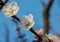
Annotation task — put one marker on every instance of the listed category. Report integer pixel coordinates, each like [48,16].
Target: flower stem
[39,37]
[15,17]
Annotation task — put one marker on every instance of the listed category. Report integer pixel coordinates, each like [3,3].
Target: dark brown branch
[46,18]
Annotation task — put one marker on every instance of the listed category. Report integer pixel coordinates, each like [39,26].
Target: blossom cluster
[26,22]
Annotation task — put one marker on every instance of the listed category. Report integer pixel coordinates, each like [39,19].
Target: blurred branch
[7,33]
[42,3]
[58,1]
[19,35]
[2,3]
[46,18]
[17,29]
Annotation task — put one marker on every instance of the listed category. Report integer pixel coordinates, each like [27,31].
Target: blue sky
[36,8]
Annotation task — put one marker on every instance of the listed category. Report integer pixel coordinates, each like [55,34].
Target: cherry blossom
[27,22]
[10,9]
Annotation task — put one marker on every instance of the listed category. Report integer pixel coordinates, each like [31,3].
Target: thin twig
[15,17]
[39,37]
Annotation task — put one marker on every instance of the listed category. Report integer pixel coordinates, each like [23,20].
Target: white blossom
[27,22]
[10,9]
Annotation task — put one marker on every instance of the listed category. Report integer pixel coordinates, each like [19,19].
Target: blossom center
[27,23]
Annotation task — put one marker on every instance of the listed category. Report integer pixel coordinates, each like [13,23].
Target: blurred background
[9,30]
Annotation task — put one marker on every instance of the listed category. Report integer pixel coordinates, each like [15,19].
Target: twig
[39,37]
[2,3]
[15,17]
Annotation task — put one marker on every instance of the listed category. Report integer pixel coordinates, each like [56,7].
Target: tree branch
[46,18]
